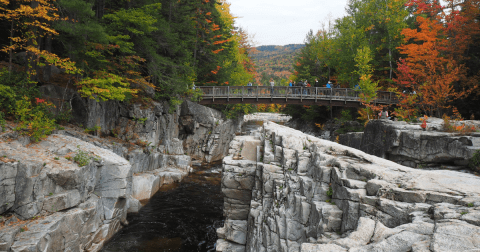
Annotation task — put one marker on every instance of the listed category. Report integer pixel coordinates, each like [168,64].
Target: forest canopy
[427,52]
[114,49]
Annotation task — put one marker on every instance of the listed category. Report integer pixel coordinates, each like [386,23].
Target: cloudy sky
[282,22]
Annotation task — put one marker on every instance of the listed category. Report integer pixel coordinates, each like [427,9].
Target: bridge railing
[343,94]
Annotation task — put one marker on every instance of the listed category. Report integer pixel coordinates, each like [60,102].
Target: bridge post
[286,93]
[243,92]
[228,93]
[390,100]
[301,94]
[346,92]
[331,94]
[316,94]
[257,92]
[213,93]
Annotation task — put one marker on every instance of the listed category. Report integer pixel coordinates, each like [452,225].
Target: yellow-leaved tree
[30,21]
[368,87]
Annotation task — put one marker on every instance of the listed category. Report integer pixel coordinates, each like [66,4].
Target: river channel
[180,217]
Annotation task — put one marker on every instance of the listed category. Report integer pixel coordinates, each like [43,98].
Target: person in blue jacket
[329,85]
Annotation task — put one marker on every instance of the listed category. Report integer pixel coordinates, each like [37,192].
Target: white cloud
[281,22]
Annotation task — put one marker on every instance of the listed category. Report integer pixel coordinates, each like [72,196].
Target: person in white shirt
[272,84]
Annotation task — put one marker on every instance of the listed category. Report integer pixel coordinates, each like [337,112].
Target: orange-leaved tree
[432,69]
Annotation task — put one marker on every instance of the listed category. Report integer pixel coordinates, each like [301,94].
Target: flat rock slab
[455,236]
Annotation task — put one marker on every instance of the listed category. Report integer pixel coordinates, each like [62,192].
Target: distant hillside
[275,61]
[276,48]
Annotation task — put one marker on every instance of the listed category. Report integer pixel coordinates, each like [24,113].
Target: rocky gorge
[288,191]
[48,202]
[284,190]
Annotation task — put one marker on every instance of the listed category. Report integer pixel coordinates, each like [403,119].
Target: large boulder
[410,145]
[88,203]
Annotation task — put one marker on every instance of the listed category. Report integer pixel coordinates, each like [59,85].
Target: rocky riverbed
[288,191]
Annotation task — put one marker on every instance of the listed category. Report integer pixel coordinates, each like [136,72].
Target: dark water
[180,217]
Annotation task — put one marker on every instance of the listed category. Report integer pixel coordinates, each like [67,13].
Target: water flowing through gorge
[180,217]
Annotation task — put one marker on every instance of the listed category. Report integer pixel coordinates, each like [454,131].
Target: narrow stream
[180,217]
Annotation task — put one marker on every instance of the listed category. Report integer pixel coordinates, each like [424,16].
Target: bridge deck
[345,97]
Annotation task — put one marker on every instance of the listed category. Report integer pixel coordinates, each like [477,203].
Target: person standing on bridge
[317,84]
[329,85]
[299,89]
[249,87]
[357,90]
[272,84]
[290,85]
[305,85]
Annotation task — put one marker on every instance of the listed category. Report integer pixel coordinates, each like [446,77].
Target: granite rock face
[61,206]
[205,132]
[307,194]
[191,129]
[46,195]
[410,145]
[273,117]
[49,203]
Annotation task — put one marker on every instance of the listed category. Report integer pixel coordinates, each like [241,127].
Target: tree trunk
[32,58]
[48,43]
[390,61]
[10,52]
[100,8]
[195,52]
[170,12]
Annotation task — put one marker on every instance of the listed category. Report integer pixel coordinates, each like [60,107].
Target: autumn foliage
[30,20]
[432,74]
[129,51]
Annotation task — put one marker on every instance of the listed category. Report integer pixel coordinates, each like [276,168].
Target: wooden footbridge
[344,97]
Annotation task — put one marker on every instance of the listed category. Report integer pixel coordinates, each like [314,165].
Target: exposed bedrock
[273,117]
[50,203]
[301,193]
[410,145]
[192,129]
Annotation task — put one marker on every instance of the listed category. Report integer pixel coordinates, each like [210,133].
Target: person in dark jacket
[299,85]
